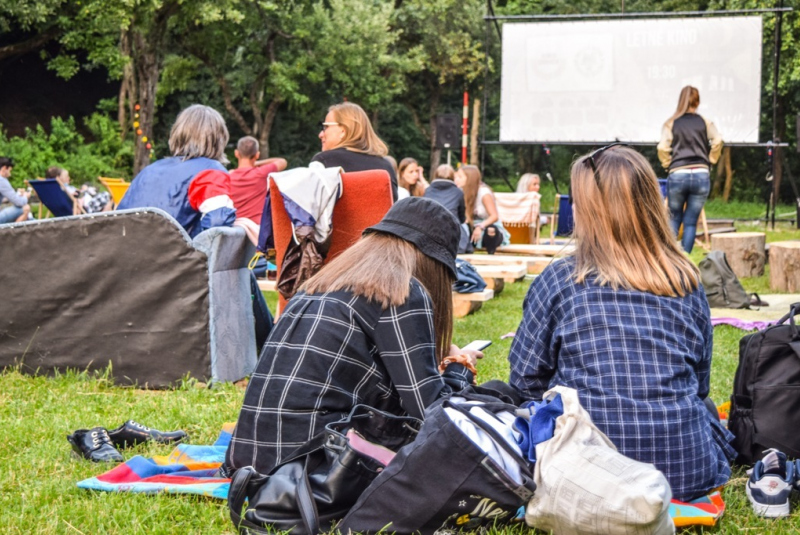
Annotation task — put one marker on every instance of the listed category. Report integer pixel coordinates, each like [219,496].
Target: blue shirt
[641,364]
[165,184]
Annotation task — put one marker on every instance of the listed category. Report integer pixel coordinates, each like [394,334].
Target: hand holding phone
[478,345]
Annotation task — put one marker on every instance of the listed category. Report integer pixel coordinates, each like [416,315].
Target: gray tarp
[124,287]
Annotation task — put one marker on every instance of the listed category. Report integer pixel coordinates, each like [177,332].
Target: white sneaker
[770,485]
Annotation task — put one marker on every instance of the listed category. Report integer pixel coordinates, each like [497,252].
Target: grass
[37,482]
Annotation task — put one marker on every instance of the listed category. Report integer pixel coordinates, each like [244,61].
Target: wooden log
[534,264]
[465,308]
[496,284]
[465,304]
[784,266]
[744,251]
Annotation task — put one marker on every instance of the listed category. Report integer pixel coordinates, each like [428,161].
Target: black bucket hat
[425,223]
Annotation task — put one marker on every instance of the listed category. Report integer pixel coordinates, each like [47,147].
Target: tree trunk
[784,266]
[726,165]
[474,150]
[266,126]
[127,88]
[147,71]
[436,153]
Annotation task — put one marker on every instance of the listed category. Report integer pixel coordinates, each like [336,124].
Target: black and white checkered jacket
[329,352]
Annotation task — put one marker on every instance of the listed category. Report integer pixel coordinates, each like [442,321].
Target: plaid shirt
[329,352]
[641,364]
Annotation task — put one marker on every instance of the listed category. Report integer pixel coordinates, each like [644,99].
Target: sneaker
[770,485]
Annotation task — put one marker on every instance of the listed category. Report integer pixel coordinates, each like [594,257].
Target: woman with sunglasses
[349,142]
[625,322]
[689,145]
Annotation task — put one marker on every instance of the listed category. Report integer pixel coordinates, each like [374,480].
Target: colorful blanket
[192,470]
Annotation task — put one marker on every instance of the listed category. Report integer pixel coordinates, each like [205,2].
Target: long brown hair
[358,133]
[414,189]
[688,99]
[471,186]
[379,267]
[622,230]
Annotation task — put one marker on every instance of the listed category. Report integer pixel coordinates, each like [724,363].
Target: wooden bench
[465,304]
[535,250]
[506,272]
[533,264]
[267,286]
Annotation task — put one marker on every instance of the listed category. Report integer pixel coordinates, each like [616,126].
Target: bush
[107,155]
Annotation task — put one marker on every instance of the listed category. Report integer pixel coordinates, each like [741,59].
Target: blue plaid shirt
[641,364]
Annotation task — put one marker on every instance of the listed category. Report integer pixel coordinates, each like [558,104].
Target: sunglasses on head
[593,165]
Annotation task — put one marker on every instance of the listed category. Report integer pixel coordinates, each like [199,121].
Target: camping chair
[662,184]
[563,221]
[117,190]
[519,213]
[366,197]
[53,196]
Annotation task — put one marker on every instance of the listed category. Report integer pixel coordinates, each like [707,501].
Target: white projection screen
[597,81]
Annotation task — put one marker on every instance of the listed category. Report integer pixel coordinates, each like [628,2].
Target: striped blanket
[192,470]
[518,209]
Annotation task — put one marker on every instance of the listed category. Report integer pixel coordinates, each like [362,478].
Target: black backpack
[722,288]
[765,405]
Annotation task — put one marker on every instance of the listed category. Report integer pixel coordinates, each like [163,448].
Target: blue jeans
[10,214]
[687,191]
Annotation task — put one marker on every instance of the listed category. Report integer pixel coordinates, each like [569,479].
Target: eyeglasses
[593,164]
[324,126]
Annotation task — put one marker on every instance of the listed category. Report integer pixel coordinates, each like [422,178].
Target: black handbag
[765,405]
[456,485]
[318,483]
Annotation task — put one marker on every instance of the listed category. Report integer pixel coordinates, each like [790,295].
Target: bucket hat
[425,223]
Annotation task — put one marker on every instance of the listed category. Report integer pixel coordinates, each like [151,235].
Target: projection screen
[598,81]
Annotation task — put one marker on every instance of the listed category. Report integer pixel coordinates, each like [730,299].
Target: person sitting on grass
[19,209]
[625,322]
[372,327]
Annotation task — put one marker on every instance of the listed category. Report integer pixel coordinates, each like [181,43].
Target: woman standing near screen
[689,145]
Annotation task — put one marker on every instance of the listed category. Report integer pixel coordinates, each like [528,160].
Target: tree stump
[784,266]
[744,251]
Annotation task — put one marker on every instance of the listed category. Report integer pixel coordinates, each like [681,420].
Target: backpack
[765,405]
[723,289]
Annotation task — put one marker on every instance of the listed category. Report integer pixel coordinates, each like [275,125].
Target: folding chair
[563,220]
[366,197]
[519,213]
[53,196]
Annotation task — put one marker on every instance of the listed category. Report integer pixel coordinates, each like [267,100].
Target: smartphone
[478,345]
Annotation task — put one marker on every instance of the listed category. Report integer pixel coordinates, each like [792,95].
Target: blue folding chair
[564,221]
[53,197]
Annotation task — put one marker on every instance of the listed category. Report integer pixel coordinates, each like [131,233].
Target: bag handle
[236,496]
[793,309]
[489,430]
[306,502]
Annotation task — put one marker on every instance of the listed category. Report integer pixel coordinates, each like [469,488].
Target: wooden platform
[508,273]
[465,304]
[266,286]
[535,250]
[533,264]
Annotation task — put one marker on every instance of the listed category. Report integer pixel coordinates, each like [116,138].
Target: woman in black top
[689,145]
[349,142]
[372,327]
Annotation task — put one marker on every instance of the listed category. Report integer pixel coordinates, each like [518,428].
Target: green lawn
[37,482]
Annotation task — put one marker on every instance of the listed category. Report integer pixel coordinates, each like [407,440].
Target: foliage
[63,146]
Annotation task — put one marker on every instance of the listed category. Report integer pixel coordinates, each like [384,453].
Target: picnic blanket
[193,470]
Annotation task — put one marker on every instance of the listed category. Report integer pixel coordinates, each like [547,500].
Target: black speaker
[448,131]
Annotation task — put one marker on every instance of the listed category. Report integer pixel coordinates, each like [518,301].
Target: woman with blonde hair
[372,327]
[481,209]
[349,142]
[409,178]
[197,142]
[689,145]
[625,322]
[529,182]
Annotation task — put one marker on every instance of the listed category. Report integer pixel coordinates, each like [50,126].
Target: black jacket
[446,192]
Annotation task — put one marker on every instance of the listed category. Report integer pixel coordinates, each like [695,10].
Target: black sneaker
[132,433]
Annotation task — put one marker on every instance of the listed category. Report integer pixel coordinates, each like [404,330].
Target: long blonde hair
[471,186]
[379,267]
[358,133]
[688,99]
[622,230]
